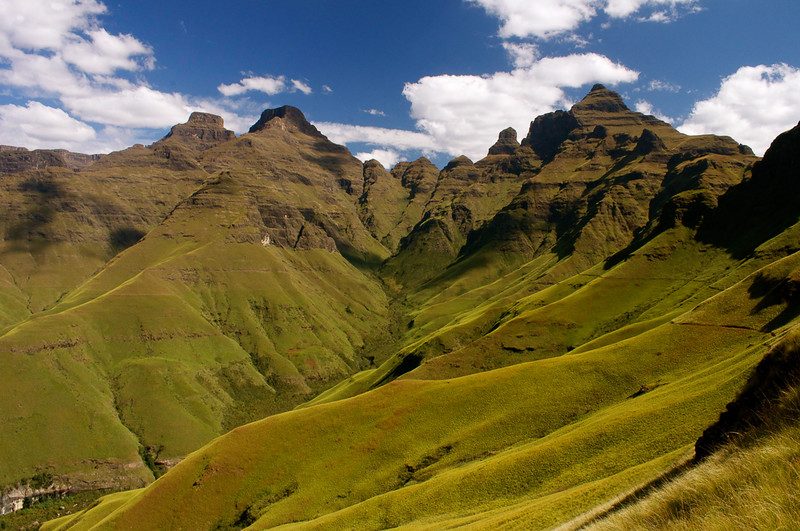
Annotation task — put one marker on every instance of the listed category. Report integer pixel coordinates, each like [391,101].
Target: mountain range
[263,331]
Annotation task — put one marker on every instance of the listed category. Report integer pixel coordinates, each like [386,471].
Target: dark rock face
[202,131]
[16,159]
[765,204]
[506,144]
[548,132]
[290,116]
[649,142]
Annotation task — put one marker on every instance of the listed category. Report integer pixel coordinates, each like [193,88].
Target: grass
[747,488]
[504,372]
[547,439]
[194,330]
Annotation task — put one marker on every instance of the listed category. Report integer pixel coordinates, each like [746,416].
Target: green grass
[547,439]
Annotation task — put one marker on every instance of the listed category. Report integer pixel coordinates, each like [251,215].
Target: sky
[391,79]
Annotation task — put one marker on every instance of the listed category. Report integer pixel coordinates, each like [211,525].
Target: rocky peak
[201,131]
[549,131]
[373,170]
[285,117]
[506,144]
[458,162]
[419,177]
[603,100]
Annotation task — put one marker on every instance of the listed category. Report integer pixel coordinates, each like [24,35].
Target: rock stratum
[505,342]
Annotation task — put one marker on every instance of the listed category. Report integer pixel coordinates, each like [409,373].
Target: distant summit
[286,116]
[602,99]
[506,144]
[202,131]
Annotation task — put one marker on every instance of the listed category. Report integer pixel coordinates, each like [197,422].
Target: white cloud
[57,49]
[522,54]
[45,25]
[270,85]
[539,18]
[626,8]
[753,105]
[657,85]
[645,107]
[327,89]
[302,87]
[377,136]
[133,107]
[374,112]
[267,84]
[463,114]
[545,19]
[105,53]
[387,157]
[39,126]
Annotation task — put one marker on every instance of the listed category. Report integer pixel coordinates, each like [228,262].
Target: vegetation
[507,343]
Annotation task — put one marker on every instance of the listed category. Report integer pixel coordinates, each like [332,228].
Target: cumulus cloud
[753,105]
[545,19]
[38,126]
[522,54]
[132,107]
[542,18]
[59,50]
[463,114]
[645,107]
[46,25]
[387,157]
[104,53]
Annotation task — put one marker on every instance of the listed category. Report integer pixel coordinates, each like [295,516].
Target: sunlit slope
[750,470]
[236,306]
[558,433]
[62,224]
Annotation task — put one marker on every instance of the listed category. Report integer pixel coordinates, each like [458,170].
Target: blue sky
[391,79]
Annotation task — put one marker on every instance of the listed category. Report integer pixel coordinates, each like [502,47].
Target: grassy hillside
[549,438]
[507,343]
[202,325]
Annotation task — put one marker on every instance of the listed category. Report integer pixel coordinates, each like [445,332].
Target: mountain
[505,342]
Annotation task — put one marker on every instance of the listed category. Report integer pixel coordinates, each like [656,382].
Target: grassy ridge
[441,450]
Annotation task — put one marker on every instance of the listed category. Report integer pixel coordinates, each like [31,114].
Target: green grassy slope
[557,434]
[556,324]
[202,325]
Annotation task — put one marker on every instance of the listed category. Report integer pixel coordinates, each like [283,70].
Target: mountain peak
[203,130]
[286,116]
[506,143]
[601,99]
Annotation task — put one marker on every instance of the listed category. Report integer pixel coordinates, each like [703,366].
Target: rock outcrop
[201,132]
[507,143]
